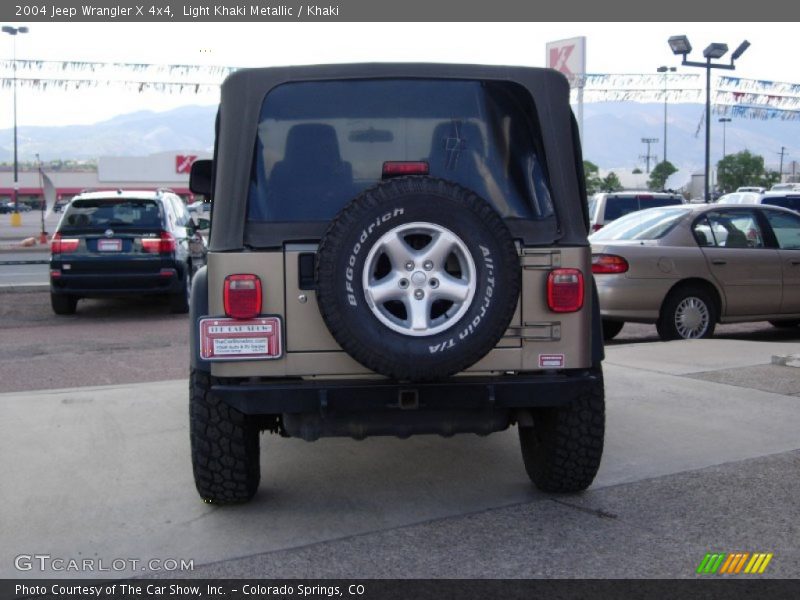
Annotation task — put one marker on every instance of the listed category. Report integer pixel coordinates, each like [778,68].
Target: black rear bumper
[460,393]
[165,281]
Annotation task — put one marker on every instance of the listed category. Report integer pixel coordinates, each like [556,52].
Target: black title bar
[406,10]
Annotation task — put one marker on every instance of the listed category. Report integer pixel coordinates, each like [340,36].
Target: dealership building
[162,170]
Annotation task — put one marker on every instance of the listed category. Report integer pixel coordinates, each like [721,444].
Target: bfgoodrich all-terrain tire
[562,450]
[225,448]
[417,278]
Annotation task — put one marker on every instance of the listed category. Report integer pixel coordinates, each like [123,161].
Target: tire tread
[563,449]
[225,446]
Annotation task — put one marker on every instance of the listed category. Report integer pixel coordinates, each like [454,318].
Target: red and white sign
[183,162]
[236,339]
[569,57]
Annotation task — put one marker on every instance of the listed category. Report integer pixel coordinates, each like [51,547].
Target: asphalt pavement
[690,466]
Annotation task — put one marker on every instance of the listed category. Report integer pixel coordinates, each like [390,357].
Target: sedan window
[733,229]
[786,228]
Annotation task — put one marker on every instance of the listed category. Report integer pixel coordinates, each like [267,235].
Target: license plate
[233,339]
[109,245]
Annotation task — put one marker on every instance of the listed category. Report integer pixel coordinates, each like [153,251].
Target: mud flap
[198,308]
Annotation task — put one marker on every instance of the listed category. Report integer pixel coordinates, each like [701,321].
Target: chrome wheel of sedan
[691,318]
[688,313]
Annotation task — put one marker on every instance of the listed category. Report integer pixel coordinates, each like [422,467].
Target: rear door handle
[795,262]
[719,261]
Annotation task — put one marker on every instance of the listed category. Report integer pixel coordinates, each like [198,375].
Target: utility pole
[665,71]
[780,170]
[648,156]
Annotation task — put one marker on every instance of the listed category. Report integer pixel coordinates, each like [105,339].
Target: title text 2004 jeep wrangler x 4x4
[395,249]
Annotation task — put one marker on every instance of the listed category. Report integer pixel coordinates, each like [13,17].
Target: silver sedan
[687,268]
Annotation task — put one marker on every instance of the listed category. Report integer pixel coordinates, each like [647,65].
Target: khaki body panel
[311,352]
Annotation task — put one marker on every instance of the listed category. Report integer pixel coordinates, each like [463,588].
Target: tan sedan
[687,268]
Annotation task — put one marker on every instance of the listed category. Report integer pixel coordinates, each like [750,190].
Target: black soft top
[240,106]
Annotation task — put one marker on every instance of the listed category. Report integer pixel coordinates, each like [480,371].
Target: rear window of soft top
[321,143]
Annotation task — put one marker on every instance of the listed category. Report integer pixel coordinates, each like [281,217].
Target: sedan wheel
[687,314]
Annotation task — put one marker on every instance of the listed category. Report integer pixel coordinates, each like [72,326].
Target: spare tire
[417,278]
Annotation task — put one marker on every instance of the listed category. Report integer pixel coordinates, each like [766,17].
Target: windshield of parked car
[648,224]
[619,206]
[322,143]
[111,212]
[790,202]
[739,198]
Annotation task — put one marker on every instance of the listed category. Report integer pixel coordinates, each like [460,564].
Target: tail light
[565,290]
[242,296]
[597,227]
[393,168]
[164,244]
[60,245]
[608,263]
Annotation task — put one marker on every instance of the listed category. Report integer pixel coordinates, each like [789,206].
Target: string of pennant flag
[731,96]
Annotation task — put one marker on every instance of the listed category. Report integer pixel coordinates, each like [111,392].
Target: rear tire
[562,450]
[225,446]
[689,312]
[611,329]
[179,303]
[63,304]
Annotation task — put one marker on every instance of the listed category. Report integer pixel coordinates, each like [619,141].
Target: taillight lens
[164,244]
[393,168]
[61,245]
[565,290]
[242,296]
[597,227]
[608,263]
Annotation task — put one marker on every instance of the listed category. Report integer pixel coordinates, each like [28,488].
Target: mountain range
[612,134]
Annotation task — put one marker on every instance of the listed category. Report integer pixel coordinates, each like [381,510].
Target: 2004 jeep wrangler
[395,249]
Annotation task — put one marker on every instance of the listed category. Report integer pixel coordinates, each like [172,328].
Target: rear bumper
[166,281]
[461,393]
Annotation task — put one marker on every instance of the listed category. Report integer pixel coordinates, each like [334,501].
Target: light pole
[16,220]
[680,45]
[665,70]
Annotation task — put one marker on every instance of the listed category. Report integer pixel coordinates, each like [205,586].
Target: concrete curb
[21,289]
[786,360]
[44,249]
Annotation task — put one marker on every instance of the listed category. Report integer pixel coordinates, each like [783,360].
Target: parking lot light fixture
[680,45]
[16,219]
[740,50]
[715,50]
